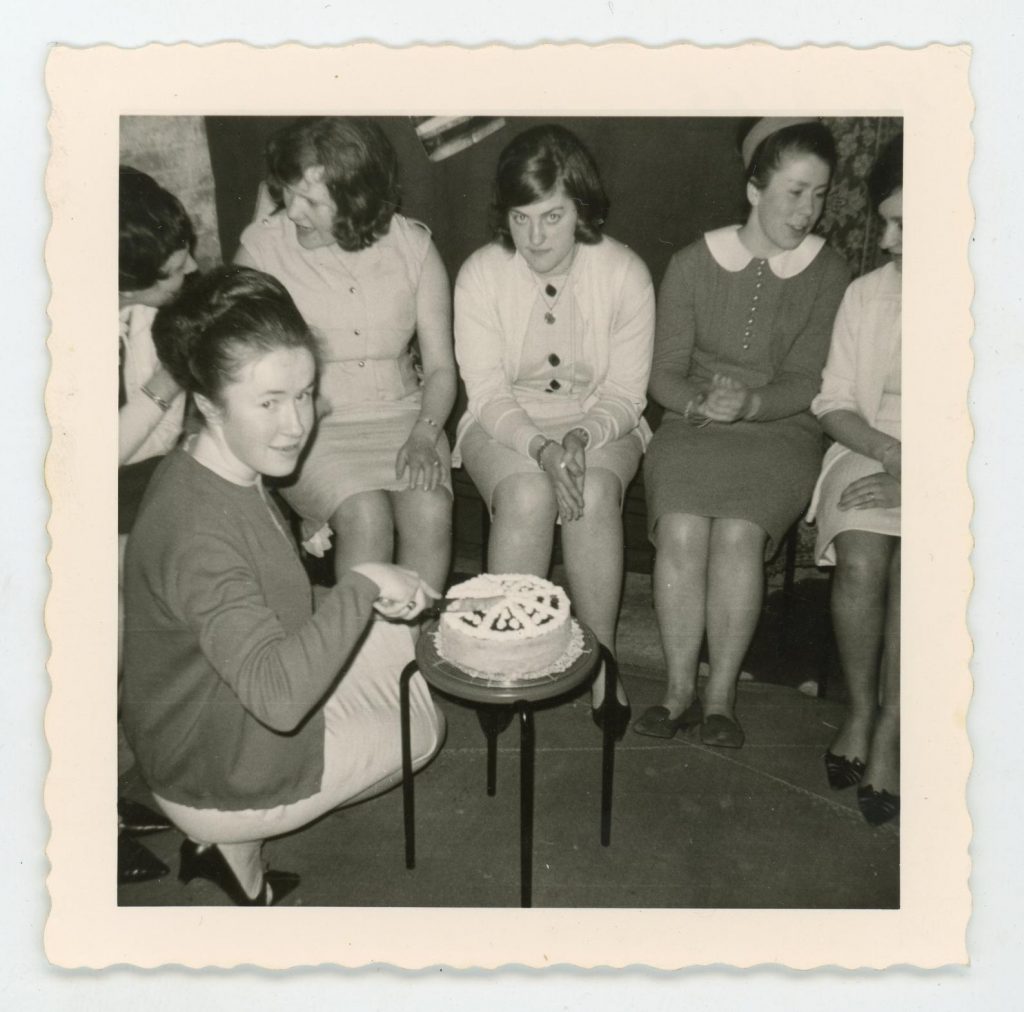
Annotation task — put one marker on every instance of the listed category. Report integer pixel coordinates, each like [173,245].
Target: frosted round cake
[522,634]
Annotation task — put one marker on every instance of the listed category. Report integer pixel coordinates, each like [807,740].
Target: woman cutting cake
[250,713]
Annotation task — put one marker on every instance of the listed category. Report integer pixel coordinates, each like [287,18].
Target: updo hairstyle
[223,320]
[810,137]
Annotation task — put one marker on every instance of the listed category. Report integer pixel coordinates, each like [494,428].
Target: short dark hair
[533,164]
[223,320]
[360,173]
[886,176]
[808,138]
[153,226]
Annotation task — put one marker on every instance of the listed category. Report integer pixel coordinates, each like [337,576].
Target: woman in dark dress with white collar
[744,319]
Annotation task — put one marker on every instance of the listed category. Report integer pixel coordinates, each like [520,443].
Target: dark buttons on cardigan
[352,291]
[554,385]
[554,359]
[356,332]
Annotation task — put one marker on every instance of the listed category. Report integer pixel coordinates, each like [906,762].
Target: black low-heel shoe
[138,820]
[210,864]
[878,807]
[842,771]
[621,715]
[135,863]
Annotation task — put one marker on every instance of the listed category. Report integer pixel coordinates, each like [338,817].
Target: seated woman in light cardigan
[857,503]
[554,332]
[250,713]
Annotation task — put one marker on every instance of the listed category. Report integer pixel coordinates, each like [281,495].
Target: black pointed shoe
[138,820]
[878,807]
[209,863]
[135,863]
[842,771]
[620,718]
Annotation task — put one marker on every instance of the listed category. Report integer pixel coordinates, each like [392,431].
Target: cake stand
[497,701]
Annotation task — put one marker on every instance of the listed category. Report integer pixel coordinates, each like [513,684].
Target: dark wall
[669,179]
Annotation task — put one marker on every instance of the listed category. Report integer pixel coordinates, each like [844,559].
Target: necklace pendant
[549,316]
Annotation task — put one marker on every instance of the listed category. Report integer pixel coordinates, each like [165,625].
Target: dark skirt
[763,472]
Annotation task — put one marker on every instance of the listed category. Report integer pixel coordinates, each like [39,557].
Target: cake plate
[497,700]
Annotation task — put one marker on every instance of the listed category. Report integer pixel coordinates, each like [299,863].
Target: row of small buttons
[748,333]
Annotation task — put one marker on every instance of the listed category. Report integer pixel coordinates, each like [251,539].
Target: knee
[428,515]
[861,570]
[367,515]
[602,494]
[525,499]
[739,537]
[680,536]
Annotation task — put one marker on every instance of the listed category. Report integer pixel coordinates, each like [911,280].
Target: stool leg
[611,676]
[493,720]
[408,801]
[526,805]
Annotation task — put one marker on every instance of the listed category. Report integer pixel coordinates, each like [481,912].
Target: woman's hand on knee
[403,595]
[876,491]
[420,458]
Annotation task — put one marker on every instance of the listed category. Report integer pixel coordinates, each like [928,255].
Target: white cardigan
[494,296]
[866,336]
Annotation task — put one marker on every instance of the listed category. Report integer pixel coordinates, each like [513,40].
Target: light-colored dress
[766,323]
[144,429]
[526,376]
[863,374]
[362,308]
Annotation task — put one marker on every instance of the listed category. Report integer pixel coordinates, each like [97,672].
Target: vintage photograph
[509,551]
[571,442]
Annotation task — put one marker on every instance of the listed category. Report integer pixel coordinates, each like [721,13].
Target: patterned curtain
[173,150]
[849,223]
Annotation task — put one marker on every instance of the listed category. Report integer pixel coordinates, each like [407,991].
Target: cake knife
[463,604]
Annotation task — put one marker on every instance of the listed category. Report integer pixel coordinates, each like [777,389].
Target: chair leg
[611,670]
[526,748]
[408,800]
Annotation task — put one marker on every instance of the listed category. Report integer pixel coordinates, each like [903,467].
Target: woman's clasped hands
[565,464]
[727,400]
[403,594]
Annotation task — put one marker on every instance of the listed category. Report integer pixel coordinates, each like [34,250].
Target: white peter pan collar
[731,255]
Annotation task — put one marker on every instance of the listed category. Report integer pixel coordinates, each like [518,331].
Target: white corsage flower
[319,543]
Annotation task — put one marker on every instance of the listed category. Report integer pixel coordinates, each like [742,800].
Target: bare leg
[522,525]
[363,531]
[680,601]
[592,547]
[735,592]
[883,772]
[424,525]
[858,617]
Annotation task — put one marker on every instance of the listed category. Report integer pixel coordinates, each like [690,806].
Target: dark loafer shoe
[655,721]
[720,731]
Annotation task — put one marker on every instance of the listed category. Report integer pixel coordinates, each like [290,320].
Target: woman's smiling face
[265,414]
[308,203]
[786,210]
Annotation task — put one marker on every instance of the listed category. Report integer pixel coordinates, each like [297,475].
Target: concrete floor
[692,826]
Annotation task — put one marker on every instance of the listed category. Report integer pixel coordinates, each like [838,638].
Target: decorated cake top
[530,606]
